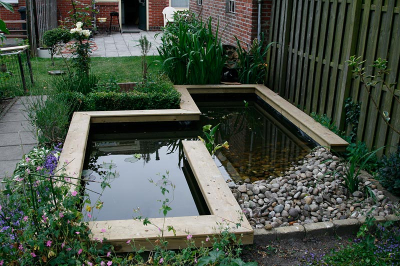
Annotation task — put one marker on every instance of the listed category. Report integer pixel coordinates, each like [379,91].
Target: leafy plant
[191,53]
[53,38]
[359,150]
[389,172]
[210,138]
[378,80]
[352,168]
[252,67]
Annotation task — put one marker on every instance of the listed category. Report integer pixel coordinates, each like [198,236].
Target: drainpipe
[259,20]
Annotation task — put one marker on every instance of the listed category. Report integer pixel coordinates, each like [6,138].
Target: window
[10,1]
[230,6]
[180,3]
[200,2]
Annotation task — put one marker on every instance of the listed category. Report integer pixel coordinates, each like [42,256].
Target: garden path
[16,137]
[124,44]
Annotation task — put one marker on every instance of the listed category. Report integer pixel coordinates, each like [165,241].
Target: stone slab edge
[336,227]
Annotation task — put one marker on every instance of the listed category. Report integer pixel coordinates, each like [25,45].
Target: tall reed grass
[190,52]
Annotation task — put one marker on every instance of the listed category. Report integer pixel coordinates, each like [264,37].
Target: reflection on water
[260,145]
[137,161]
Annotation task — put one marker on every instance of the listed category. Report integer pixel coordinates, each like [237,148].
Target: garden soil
[293,251]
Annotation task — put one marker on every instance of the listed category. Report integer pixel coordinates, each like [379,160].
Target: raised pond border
[222,205]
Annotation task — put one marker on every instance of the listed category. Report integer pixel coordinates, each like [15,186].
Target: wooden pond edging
[223,207]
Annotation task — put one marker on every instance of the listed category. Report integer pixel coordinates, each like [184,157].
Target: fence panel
[308,66]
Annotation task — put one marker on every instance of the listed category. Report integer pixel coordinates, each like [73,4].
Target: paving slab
[15,116]
[13,127]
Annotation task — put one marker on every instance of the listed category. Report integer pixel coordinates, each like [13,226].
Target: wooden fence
[308,65]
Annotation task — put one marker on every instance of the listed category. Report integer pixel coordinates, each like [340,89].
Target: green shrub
[109,101]
[53,38]
[359,150]
[389,173]
[190,52]
[50,116]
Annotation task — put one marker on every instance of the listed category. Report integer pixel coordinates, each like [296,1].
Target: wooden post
[36,26]
[28,60]
[29,26]
[21,69]
[350,49]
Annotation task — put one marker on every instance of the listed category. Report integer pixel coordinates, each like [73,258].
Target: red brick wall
[242,23]
[8,15]
[156,20]
[104,9]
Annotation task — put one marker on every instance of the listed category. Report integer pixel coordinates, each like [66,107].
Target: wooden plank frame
[223,207]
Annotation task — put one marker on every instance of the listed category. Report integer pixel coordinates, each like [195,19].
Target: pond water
[127,156]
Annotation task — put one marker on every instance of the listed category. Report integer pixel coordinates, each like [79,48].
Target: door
[142,15]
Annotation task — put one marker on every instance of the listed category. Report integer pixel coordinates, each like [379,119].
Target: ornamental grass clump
[191,53]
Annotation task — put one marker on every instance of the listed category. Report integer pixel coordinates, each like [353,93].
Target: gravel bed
[309,192]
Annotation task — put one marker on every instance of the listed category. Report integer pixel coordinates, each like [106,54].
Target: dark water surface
[262,144]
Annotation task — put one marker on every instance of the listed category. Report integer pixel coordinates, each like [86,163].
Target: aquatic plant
[210,134]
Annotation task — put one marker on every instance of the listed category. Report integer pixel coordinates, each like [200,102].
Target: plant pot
[127,86]
[43,52]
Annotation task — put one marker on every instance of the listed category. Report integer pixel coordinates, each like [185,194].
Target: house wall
[242,23]
[155,18]
[8,15]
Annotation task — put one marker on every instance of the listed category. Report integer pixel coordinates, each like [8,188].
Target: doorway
[133,15]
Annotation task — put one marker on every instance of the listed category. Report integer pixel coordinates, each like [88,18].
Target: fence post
[285,47]
[349,50]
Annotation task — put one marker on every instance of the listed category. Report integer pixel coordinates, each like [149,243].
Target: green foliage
[377,80]
[53,38]
[359,150]
[190,52]
[76,83]
[251,67]
[376,245]
[210,134]
[50,117]
[39,219]
[352,110]
[145,97]
[145,46]
[3,26]
[389,172]
[327,122]
[352,168]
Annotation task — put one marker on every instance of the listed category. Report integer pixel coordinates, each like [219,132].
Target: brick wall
[242,23]
[8,15]
[104,9]
[156,20]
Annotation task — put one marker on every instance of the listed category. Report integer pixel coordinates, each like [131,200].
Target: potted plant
[51,40]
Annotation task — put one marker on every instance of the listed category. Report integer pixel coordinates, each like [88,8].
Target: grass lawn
[122,69]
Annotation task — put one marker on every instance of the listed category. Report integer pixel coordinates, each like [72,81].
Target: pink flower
[77,233]
[108,254]
[189,237]
[63,245]
[103,230]
[67,179]
[207,239]
[89,263]
[89,215]
[25,218]
[102,263]
[20,247]
[69,249]
[61,215]
[161,260]
[74,193]
[109,263]
[44,218]
[48,243]
[28,171]
[27,159]
[79,251]
[33,255]
[1,262]
[39,168]
[129,241]
[0,207]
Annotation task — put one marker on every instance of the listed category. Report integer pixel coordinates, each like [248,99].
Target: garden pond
[133,157]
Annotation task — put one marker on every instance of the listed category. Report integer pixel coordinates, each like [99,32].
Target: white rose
[86,33]
[72,31]
[79,25]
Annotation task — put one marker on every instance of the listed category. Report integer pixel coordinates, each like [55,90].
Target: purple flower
[161,260]
[48,243]
[79,251]
[189,237]
[74,193]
